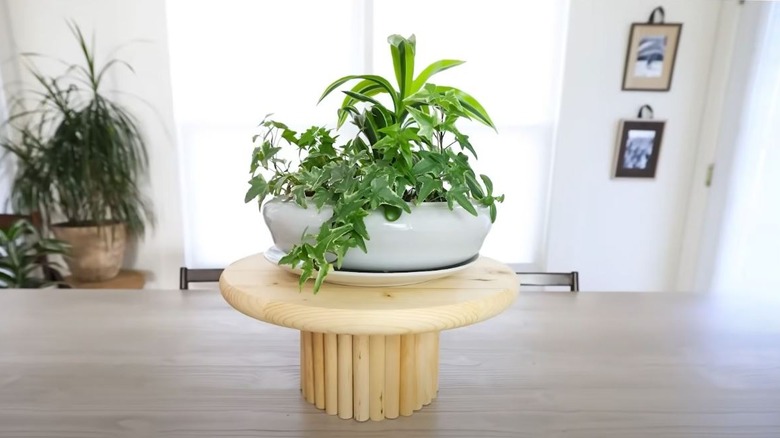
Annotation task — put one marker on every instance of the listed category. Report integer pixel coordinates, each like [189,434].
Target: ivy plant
[407,150]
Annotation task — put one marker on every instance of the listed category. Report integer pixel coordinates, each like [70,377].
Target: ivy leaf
[289,135]
[258,189]
[488,184]
[427,186]
[362,234]
[382,194]
[458,195]
[425,123]
[473,184]
[321,274]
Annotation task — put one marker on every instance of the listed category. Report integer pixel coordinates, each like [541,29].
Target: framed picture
[652,50]
[639,144]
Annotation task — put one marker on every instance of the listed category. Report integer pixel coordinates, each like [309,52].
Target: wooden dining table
[148,363]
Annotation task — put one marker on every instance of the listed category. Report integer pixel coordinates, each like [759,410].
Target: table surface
[260,289]
[78,363]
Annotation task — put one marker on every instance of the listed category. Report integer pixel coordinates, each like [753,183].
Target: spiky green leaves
[23,254]
[81,154]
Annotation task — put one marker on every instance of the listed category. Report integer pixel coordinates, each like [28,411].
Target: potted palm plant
[79,157]
[398,195]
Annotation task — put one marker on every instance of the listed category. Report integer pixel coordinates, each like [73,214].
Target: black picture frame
[651,56]
[638,148]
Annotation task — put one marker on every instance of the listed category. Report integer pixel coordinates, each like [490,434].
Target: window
[235,61]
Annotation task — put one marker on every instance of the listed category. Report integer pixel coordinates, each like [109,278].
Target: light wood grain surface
[256,287]
[86,364]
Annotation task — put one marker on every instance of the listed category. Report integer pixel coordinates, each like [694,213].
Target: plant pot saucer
[375,279]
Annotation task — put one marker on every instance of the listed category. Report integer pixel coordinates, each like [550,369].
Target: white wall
[41,27]
[624,234]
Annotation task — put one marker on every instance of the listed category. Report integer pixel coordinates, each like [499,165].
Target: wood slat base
[369,377]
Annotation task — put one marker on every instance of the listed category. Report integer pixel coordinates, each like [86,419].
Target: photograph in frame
[651,55]
[638,148]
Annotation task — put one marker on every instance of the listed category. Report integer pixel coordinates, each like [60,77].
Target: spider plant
[79,153]
[23,256]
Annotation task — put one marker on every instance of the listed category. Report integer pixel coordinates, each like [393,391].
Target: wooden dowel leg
[319,370]
[420,354]
[369,377]
[302,368]
[392,375]
[408,387]
[331,373]
[430,365]
[345,376]
[308,365]
[376,377]
[361,373]
[435,377]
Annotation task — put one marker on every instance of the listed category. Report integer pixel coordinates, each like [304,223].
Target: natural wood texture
[345,376]
[361,377]
[319,370]
[126,279]
[435,377]
[430,364]
[392,375]
[377,377]
[372,369]
[420,367]
[331,374]
[172,364]
[302,367]
[408,384]
[308,367]
[263,291]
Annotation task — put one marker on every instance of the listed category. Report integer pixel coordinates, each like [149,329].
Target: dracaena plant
[80,155]
[407,150]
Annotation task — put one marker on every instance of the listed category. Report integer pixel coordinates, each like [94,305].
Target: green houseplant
[23,256]
[79,158]
[407,151]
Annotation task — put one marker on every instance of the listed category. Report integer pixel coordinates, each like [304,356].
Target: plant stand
[369,353]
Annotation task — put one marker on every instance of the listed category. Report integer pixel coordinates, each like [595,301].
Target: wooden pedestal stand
[369,353]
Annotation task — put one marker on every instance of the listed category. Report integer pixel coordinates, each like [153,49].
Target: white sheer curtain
[7,67]
[747,258]
[235,61]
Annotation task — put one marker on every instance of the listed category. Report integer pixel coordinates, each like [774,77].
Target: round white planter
[431,237]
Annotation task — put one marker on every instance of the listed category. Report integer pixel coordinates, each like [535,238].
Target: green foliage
[79,154]
[406,153]
[23,256]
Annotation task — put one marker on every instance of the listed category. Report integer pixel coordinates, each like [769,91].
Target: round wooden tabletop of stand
[369,353]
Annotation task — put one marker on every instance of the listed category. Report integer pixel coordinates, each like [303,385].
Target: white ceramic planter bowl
[431,237]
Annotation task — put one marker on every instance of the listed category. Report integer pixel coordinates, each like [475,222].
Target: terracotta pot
[96,252]
[431,237]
